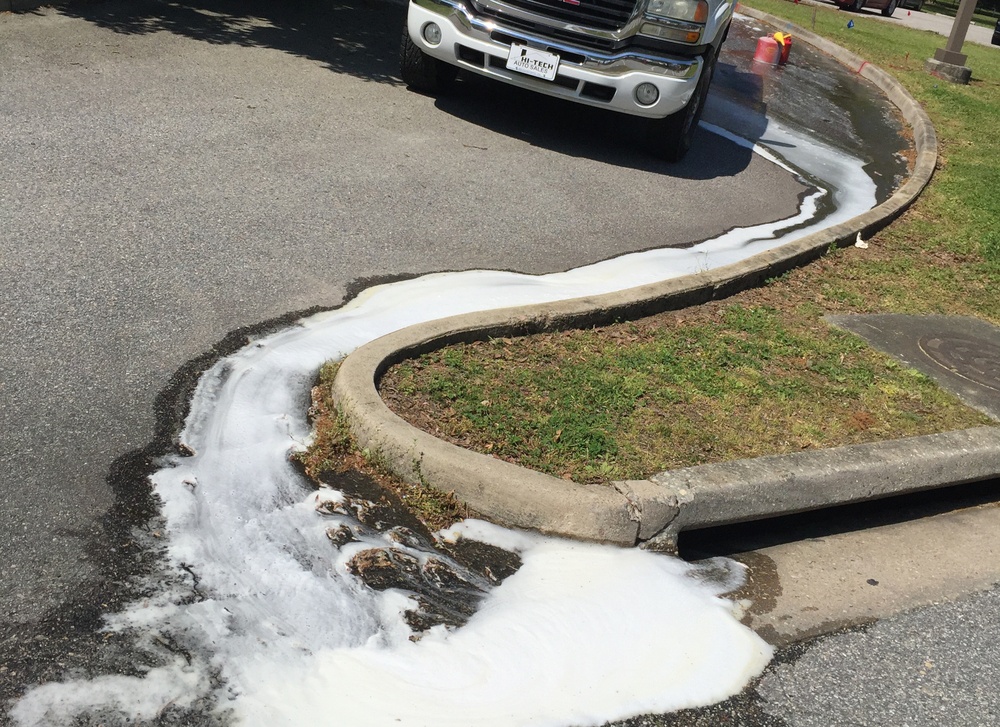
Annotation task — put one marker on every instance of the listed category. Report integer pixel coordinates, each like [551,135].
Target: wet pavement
[812,92]
[178,176]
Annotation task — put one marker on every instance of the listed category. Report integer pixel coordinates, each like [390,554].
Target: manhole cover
[971,358]
[959,352]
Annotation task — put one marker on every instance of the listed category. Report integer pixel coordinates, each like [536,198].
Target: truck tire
[889,9]
[422,72]
[670,138]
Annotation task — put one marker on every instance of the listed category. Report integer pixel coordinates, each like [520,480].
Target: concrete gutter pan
[653,511]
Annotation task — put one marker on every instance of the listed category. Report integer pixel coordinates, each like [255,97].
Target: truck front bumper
[481,45]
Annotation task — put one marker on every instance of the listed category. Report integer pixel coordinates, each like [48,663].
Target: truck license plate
[537,63]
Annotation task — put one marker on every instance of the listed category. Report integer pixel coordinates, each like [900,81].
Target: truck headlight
[682,20]
[684,32]
[432,33]
[646,94]
[692,11]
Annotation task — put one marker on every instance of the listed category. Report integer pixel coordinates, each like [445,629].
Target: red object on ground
[768,51]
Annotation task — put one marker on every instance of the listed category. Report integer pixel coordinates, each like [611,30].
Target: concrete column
[949,62]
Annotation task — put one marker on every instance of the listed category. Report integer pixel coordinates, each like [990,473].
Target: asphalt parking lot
[177,177]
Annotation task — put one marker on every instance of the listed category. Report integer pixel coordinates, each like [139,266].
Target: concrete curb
[751,489]
[655,510]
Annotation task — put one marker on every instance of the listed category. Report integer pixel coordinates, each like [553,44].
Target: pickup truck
[648,58]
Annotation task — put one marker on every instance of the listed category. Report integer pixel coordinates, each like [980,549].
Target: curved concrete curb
[630,512]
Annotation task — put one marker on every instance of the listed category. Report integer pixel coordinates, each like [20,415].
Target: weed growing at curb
[334,450]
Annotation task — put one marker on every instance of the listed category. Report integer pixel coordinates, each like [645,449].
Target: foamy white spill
[581,634]
[142,698]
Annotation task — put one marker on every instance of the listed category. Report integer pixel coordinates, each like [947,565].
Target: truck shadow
[608,137]
[598,134]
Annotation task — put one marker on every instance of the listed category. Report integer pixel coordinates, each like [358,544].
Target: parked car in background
[912,4]
[996,34]
[887,7]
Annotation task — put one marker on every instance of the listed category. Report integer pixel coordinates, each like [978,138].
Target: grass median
[761,372]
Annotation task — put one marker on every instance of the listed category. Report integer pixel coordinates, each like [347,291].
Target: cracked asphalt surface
[177,177]
[169,177]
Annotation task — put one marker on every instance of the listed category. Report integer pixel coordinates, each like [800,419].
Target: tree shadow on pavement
[355,37]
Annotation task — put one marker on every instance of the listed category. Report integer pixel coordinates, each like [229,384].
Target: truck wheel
[670,138]
[422,72]
[889,9]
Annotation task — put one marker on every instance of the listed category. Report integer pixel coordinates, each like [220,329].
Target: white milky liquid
[581,634]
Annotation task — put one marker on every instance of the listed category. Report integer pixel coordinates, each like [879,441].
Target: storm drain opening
[728,540]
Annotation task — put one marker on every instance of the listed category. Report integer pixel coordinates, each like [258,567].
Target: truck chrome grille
[601,14]
[604,45]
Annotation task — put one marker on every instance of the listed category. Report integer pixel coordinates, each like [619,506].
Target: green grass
[740,380]
[760,373]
